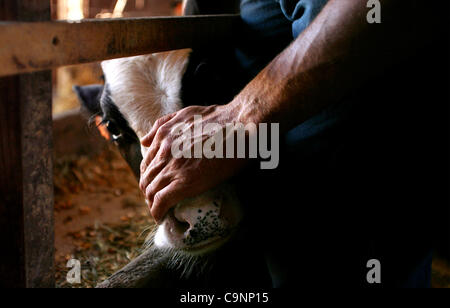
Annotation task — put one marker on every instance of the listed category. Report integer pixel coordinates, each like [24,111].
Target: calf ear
[89,97]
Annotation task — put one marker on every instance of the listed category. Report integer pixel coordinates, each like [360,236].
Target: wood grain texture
[37,166]
[28,47]
[26,183]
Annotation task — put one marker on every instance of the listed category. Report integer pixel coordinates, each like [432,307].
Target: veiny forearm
[336,53]
[339,51]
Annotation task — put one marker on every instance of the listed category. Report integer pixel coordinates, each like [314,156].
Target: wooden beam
[28,47]
[26,182]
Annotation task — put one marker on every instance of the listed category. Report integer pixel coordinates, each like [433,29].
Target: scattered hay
[100,216]
[103,250]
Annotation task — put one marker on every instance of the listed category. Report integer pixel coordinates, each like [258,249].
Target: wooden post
[26,182]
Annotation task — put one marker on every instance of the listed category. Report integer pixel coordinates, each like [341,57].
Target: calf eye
[113,130]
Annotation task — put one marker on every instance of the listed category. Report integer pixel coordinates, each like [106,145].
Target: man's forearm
[337,52]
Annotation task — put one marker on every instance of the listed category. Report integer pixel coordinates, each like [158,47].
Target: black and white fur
[139,90]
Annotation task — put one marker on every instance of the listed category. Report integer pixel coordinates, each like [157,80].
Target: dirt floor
[101,219]
[100,216]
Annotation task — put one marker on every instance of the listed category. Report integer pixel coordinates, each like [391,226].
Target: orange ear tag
[102,128]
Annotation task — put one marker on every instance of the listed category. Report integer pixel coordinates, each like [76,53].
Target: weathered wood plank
[28,47]
[26,182]
[37,166]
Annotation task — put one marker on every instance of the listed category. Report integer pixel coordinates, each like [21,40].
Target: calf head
[138,91]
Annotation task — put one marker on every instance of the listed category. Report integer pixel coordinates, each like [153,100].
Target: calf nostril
[180,224]
[182,227]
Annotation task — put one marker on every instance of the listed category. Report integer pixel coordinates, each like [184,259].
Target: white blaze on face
[144,88]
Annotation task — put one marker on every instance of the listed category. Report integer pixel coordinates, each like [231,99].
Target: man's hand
[338,52]
[166,180]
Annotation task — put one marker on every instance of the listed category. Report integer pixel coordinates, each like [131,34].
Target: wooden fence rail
[29,47]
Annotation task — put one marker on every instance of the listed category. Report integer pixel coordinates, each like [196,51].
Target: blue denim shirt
[362,153]
[301,12]
[368,153]
[269,26]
